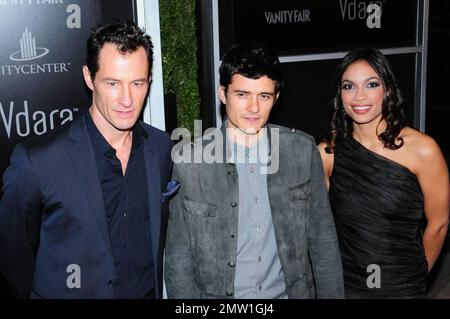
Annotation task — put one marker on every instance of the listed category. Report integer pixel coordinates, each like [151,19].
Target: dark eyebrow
[369,79]
[117,80]
[268,93]
[110,79]
[247,92]
[373,78]
[141,79]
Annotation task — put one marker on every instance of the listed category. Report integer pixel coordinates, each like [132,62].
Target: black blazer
[52,214]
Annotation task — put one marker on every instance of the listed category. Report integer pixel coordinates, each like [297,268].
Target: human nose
[253,106]
[125,97]
[360,94]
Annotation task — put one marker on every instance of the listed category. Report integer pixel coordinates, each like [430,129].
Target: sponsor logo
[370,12]
[34,68]
[287,16]
[28,50]
[22,122]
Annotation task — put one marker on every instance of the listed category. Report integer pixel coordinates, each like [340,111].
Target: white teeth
[361,108]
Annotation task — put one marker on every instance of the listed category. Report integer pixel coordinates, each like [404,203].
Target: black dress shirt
[127,212]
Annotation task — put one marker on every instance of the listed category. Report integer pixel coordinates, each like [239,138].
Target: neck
[237,136]
[367,133]
[116,138]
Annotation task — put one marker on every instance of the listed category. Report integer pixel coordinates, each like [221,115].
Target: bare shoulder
[327,158]
[322,149]
[420,145]
[422,149]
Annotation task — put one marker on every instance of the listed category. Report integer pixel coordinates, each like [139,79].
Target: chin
[251,130]
[362,121]
[125,126]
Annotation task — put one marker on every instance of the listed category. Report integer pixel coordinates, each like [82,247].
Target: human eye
[111,83]
[347,86]
[373,84]
[138,83]
[266,97]
[241,95]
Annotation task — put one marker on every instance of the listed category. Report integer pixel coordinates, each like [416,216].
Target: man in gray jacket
[252,218]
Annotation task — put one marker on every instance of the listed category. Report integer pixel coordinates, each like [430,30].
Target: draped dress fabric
[378,210]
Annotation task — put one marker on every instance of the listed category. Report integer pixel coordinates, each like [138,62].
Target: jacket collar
[226,144]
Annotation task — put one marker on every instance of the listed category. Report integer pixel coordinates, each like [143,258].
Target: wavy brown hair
[340,125]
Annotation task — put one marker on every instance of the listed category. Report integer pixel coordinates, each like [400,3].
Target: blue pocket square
[172,187]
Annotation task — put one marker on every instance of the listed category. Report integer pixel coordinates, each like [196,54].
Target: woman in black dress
[384,180]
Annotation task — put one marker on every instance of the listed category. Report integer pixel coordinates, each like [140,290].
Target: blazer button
[233,204]
[231,264]
[229,294]
[233,235]
[112,284]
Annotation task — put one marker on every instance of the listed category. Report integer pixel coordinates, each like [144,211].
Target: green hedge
[179,57]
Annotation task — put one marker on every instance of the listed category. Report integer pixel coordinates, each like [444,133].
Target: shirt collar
[255,152]
[101,145]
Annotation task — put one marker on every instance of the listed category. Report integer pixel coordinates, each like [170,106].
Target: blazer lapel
[82,156]
[154,195]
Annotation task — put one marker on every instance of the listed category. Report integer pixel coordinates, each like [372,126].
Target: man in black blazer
[83,213]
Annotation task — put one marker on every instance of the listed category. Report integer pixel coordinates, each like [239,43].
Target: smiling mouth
[361,109]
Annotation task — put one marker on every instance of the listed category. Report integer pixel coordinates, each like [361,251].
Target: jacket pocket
[296,226]
[299,199]
[199,209]
[200,218]
[201,222]
[300,191]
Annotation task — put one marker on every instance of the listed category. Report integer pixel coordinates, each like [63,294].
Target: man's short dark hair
[252,60]
[126,35]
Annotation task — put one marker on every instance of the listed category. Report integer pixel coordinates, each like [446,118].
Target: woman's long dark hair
[340,124]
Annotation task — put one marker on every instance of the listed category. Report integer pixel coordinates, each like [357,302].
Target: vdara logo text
[371,12]
[23,123]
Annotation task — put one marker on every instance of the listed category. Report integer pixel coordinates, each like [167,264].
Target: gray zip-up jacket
[202,230]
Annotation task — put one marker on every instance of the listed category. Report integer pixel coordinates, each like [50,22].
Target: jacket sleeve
[20,218]
[323,243]
[179,271]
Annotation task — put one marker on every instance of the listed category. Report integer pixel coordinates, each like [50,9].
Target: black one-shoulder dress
[378,210]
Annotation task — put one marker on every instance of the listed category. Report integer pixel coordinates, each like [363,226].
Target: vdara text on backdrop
[22,122]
